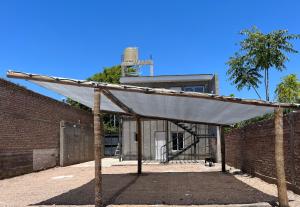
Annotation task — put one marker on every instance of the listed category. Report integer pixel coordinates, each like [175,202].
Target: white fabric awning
[157,103]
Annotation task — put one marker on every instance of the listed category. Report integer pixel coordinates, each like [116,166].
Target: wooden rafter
[145,90]
[116,101]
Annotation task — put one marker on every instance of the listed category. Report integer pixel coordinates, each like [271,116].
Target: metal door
[160,140]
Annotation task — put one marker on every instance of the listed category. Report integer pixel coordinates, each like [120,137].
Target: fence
[252,149]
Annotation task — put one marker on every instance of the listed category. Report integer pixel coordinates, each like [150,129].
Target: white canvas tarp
[157,103]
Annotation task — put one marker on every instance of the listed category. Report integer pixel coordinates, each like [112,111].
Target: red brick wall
[251,149]
[30,121]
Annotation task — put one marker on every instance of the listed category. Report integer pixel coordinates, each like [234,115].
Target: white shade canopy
[157,103]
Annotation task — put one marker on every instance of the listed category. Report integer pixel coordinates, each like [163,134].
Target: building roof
[166,78]
[157,103]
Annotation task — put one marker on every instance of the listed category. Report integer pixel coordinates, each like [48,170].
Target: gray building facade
[165,140]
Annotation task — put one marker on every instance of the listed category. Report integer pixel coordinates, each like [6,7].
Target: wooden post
[167,141]
[223,149]
[139,143]
[279,159]
[98,133]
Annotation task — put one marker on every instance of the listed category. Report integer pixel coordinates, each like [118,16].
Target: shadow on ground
[173,188]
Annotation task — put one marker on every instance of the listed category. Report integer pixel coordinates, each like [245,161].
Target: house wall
[253,153]
[30,128]
[149,130]
[151,127]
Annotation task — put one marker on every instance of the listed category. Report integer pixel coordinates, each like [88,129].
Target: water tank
[131,55]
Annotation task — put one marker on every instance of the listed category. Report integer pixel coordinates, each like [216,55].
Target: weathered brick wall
[30,127]
[252,149]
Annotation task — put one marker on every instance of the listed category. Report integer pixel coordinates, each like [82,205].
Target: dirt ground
[173,184]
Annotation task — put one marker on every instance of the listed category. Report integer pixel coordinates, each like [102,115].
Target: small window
[135,137]
[177,141]
[199,89]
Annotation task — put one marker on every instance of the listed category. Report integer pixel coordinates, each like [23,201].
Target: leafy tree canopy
[258,53]
[288,91]
[109,75]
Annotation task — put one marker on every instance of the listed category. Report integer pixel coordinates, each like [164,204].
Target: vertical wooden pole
[279,159]
[139,143]
[98,133]
[167,141]
[223,149]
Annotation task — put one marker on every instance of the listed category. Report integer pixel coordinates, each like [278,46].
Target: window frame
[177,138]
[194,88]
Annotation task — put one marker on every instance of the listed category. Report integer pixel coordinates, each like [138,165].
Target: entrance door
[160,140]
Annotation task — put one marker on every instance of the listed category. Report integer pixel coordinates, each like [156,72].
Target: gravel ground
[173,184]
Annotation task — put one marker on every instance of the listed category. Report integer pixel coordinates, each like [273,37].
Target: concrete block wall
[76,143]
[252,149]
[30,128]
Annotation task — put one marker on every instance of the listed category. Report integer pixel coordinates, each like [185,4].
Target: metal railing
[193,139]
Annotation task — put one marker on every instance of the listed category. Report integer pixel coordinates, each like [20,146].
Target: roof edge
[158,91]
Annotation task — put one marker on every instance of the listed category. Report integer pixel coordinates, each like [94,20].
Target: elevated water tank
[131,55]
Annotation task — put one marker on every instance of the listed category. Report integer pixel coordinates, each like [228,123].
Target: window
[177,141]
[199,89]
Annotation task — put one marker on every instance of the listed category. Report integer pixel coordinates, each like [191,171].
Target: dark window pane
[174,141]
[180,141]
[199,89]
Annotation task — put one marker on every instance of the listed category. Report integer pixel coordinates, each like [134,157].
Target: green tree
[108,75]
[242,75]
[259,53]
[288,91]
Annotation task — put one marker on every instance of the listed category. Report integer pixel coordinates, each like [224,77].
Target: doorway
[160,141]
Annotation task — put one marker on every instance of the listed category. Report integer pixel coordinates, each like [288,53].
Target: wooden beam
[279,159]
[157,91]
[116,101]
[223,150]
[167,141]
[98,134]
[139,143]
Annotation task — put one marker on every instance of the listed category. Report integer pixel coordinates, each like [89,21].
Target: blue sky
[76,39]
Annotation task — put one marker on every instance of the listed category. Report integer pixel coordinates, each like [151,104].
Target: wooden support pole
[223,149]
[167,141]
[98,134]
[279,159]
[139,143]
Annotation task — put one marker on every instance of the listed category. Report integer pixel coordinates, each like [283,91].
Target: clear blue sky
[76,39]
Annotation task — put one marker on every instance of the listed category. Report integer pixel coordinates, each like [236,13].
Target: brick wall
[29,128]
[252,148]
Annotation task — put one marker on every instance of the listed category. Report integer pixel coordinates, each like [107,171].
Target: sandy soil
[173,184]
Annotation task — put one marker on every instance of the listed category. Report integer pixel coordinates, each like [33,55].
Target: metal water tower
[130,59]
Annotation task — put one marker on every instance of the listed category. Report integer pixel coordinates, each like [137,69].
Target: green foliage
[77,105]
[232,95]
[108,75]
[258,53]
[242,75]
[288,91]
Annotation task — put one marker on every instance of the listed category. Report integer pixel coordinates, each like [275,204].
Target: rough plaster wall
[76,143]
[44,158]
